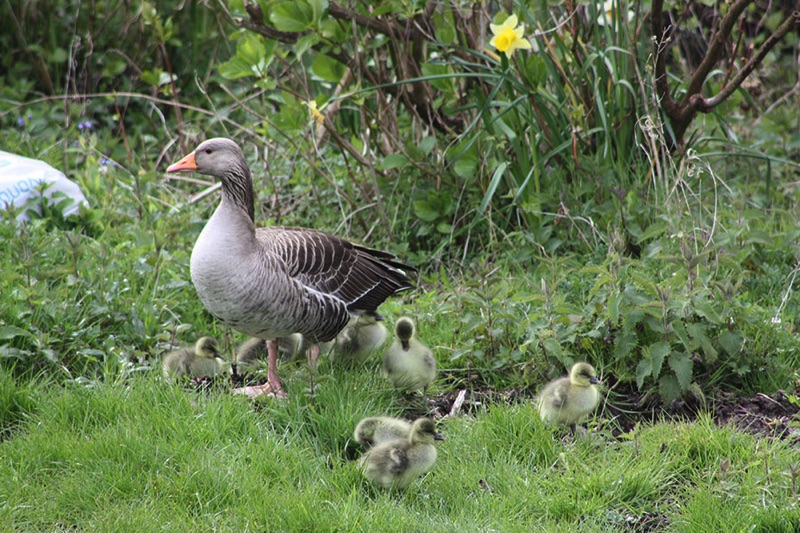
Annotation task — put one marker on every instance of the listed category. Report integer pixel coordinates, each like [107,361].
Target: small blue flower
[105,162]
[86,125]
[21,122]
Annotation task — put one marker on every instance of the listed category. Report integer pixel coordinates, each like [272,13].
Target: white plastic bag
[20,180]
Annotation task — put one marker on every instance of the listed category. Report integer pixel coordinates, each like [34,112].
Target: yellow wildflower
[508,37]
[315,113]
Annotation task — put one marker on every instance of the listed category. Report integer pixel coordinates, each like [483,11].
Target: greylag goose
[275,281]
[361,337]
[398,462]
[408,364]
[199,361]
[568,400]
[377,429]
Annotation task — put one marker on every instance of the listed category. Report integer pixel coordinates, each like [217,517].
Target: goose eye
[207,150]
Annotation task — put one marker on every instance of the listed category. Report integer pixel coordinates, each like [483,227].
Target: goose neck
[237,188]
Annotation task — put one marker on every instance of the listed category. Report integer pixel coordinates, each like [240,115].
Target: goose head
[207,348]
[216,157]
[583,375]
[368,318]
[223,159]
[423,431]
[404,329]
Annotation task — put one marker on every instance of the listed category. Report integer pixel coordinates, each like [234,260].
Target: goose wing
[359,277]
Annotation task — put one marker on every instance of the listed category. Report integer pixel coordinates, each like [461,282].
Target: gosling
[408,364]
[201,361]
[396,463]
[255,349]
[568,400]
[375,430]
[362,337]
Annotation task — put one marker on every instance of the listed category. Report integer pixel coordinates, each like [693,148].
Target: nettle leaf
[656,353]
[707,310]
[698,333]
[643,369]
[681,364]
[292,16]
[669,388]
[731,342]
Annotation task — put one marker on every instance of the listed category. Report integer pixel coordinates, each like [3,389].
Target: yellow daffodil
[315,113]
[609,13]
[508,37]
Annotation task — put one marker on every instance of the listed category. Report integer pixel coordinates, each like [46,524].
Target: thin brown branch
[716,49]
[792,22]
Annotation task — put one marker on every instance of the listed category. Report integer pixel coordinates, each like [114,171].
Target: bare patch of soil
[761,414]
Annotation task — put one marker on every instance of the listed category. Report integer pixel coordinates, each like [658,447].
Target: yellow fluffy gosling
[255,349]
[408,364]
[568,400]
[200,361]
[375,430]
[396,463]
[361,337]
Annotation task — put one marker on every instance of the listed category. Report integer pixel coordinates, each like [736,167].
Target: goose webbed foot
[273,385]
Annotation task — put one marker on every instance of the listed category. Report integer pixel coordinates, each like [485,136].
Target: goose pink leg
[313,355]
[273,386]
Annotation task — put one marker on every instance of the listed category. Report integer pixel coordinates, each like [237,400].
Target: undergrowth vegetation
[619,193]
[544,195]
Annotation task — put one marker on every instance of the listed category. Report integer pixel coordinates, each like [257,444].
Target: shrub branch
[682,113]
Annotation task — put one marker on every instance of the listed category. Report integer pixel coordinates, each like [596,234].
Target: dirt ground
[761,414]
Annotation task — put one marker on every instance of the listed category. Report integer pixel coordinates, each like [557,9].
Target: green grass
[151,456]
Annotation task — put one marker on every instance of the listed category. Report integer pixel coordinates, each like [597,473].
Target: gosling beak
[438,436]
[594,381]
[187,164]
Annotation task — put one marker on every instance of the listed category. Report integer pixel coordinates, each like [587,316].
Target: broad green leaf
[305,42]
[393,161]
[235,68]
[328,68]
[9,332]
[465,167]
[292,16]
[251,48]
[427,144]
[681,364]
[424,211]
[318,9]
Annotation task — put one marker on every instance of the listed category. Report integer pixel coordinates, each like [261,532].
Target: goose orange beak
[187,164]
